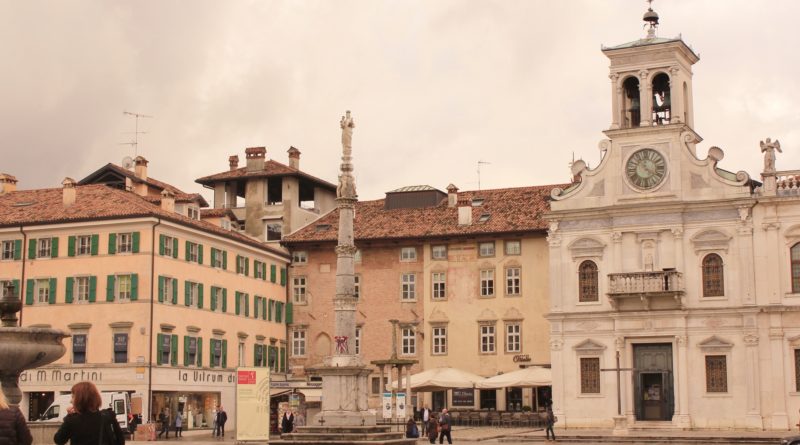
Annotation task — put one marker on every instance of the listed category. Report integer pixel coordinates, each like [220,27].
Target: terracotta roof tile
[180,195]
[218,213]
[271,168]
[510,210]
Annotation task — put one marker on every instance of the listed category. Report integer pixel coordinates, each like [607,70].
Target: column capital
[682,340]
[771,225]
[677,232]
[750,339]
[556,344]
[616,237]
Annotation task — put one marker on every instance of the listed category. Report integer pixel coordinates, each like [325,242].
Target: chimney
[464,213]
[233,162]
[69,191]
[8,183]
[294,158]
[452,195]
[141,168]
[168,201]
[255,158]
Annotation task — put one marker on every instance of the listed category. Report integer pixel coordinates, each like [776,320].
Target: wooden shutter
[52,299]
[246,266]
[161,288]
[161,242]
[173,352]
[263,308]
[283,276]
[110,288]
[54,247]
[187,292]
[246,305]
[224,260]
[200,295]
[174,291]
[92,289]
[211,353]
[213,257]
[95,244]
[185,350]
[71,245]
[289,313]
[68,290]
[174,247]
[135,242]
[224,300]
[269,309]
[29,291]
[17,249]
[256,361]
[238,308]
[186,252]
[159,349]
[32,249]
[272,273]
[199,254]
[134,287]
[283,359]
[224,353]
[112,244]
[213,298]
[199,357]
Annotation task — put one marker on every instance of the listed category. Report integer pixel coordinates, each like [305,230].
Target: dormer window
[477,202]
[193,212]
[484,217]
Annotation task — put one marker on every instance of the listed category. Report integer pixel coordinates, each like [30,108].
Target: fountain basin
[26,348]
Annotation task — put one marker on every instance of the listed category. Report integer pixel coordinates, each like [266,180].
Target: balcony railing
[647,286]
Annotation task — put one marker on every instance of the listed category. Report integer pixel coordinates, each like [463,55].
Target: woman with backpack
[87,424]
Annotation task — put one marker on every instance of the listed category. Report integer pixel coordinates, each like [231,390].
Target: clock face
[646,168]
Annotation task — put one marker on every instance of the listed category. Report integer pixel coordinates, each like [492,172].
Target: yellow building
[158,302]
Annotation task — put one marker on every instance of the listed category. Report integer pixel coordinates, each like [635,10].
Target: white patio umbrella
[438,379]
[529,377]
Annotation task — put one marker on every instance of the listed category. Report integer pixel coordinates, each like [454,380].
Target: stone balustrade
[647,287]
[788,182]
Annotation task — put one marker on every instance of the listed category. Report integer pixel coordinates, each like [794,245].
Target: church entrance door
[654,397]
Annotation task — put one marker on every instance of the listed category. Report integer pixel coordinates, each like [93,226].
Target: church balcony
[633,291]
[788,183]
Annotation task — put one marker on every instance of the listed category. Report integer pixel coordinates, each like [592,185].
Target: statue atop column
[768,148]
[347,184]
[347,125]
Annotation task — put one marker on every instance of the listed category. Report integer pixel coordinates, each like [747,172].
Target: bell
[651,17]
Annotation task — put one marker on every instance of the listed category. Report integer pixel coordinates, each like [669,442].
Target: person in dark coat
[412,432]
[549,421]
[222,417]
[86,422]
[287,422]
[163,419]
[432,428]
[13,428]
[445,425]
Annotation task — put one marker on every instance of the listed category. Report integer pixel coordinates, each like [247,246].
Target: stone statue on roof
[768,148]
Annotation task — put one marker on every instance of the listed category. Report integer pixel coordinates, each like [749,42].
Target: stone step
[342,436]
[335,441]
[344,429]
[655,440]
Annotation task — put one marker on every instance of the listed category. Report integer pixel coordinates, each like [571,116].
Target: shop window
[590,375]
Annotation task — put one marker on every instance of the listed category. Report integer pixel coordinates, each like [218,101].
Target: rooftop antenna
[479,171]
[136,133]
[651,20]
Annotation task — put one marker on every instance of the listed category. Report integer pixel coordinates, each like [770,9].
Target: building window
[408,286]
[716,373]
[439,283]
[218,297]
[242,265]
[219,258]
[193,213]
[217,353]
[124,242]
[169,246]
[487,283]
[357,286]
[8,250]
[513,278]
[192,252]
[408,254]
[590,375]
[587,282]
[486,249]
[82,289]
[124,287]
[300,257]
[513,247]
[259,270]
[795,252]
[190,357]
[513,337]
[83,245]
[241,355]
[192,294]
[487,339]
[78,348]
[165,341]
[358,340]
[242,304]
[299,290]
[713,285]
[299,343]
[274,232]
[439,252]
[44,248]
[121,348]
[409,341]
[797,370]
[43,291]
[439,343]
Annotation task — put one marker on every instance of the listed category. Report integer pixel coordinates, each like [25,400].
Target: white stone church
[689,272]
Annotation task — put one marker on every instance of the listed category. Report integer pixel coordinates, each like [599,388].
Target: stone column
[559,377]
[616,98]
[780,420]
[408,390]
[773,269]
[645,98]
[554,241]
[746,264]
[676,96]
[616,237]
[752,380]
[682,418]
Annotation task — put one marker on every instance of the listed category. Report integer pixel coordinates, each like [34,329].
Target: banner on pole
[387,405]
[252,404]
[401,405]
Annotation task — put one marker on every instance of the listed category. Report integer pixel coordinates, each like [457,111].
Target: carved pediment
[586,247]
[715,344]
[438,317]
[513,314]
[589,347]
[711,240]
[487,315]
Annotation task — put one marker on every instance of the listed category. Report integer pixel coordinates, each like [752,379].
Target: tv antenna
[479,171]
[136,132]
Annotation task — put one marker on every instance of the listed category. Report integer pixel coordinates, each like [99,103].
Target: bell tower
[651,80]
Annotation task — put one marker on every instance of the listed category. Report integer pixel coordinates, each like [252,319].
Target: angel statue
[347,125]
[768,148]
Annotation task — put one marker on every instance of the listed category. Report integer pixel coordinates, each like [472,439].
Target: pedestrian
[549,421]
[215,429]
[445,425]
[86,423]
[222,417]
[163,417]
[287,422]
[13,428]
[426,416]
[178,425]
[412,432]
[433,428]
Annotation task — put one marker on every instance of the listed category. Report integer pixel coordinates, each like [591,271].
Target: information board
[252,404]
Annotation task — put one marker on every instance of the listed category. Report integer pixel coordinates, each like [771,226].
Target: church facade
[675,284]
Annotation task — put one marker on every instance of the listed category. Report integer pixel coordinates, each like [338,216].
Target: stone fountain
[23,348]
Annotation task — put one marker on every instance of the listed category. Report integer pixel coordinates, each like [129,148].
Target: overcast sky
[434,85]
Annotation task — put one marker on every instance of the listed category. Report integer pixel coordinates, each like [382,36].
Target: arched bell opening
[662,103]
[631,108]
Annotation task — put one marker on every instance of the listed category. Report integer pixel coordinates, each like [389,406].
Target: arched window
[662,102]
[713,282]
[587,281]
[631,114]
[795,268]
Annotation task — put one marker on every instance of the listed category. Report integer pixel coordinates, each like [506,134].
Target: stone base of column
[682,421]
[754,421]
[620,426]
[344,418]
[344,393]
[780,421]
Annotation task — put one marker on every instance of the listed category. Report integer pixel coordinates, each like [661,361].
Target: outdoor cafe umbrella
[529,377]
[438,379]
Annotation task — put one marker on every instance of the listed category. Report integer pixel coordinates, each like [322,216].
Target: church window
[587,282]
[661,100]
[796,268]
[716,373]
[590,375]
[713,284]
[631,104]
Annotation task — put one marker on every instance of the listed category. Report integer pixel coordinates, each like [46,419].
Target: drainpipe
[21,289]
[152,322]
[286,328]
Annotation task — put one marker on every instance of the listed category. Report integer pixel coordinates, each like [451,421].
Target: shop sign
[522,358]
[464,397]
[206,377]
[60,376]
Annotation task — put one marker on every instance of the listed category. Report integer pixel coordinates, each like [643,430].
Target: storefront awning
[312,394]
[278,391]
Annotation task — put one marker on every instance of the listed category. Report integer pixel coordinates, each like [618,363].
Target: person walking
[433,427]
[163,418]
[426,416]
[215,429]
[287,422]
[445,425]
[222,417]
[13,428]
[549,421]
[178,425]
[86,424]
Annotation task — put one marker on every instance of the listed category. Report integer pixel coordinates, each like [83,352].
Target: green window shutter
[174,291]
[17,249]
[29,291]
[213,298]
[211,353]
[95,244]
[185,350]
[135,242]
[224,260]
[236,302]
[173,353]
[263,308]
[247,267]
[283,276]
[134,286]
[32,249]
[199,254]
[279,312]
[199,352]
[110,288]
[283,359]
[54,247]
[68,290]
[161,288]
[246,305]
[213,256]
[264,271]
[269,309]
[272,273]
[159,349]
[52,291]
[70,246]
[224,300]
[161,242]
[224,353]
[112,244]
[289,313]
[187,287]
[238,268]
[255,355]
[92,289]
[200,296]
[186,252]
[174,247]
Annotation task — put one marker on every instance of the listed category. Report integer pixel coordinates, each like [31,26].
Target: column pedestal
[620,426]
[344,393]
